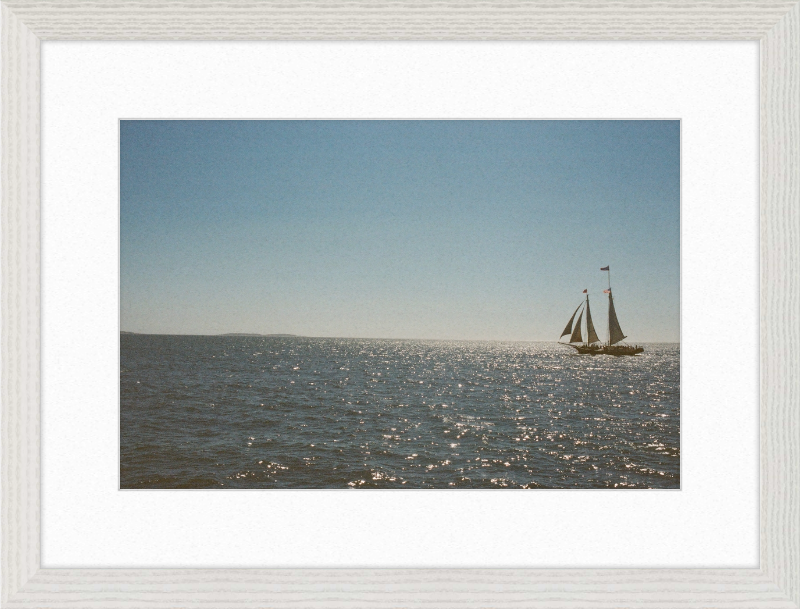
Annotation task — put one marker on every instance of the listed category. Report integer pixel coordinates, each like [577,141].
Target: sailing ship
[592,345]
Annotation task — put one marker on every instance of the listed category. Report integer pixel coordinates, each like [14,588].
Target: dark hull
[615,350]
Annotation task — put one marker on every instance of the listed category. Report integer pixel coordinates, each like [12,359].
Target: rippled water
[267,412]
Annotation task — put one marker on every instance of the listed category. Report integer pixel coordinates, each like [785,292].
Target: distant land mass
[250,334]
[229,334]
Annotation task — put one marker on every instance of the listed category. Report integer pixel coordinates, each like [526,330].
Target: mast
[591,334]
[614,331]
[587,317]
[608,268]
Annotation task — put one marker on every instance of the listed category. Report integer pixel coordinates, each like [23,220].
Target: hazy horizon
[400,338]
[442,230]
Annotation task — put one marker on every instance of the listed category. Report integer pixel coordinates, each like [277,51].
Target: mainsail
[568,329]
[589,325]
[576,333]
[614,331]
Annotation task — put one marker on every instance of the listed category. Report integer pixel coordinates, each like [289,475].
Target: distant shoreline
[226,334]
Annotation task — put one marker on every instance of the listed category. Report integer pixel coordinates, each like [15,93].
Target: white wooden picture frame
[775,24]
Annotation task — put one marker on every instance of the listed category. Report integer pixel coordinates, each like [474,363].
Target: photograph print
[399,304]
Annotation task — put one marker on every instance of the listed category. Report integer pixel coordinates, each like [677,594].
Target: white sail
[614,331]
[592,338]
[576,333]
[568,329]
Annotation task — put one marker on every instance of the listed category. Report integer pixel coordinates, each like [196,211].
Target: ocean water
[285,412]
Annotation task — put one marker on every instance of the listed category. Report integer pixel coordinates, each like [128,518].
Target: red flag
[605,268]
[606,291]
[585,291]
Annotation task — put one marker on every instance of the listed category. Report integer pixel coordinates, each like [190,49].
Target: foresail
[576,333]
[614,331]
[568,329]
[590,326]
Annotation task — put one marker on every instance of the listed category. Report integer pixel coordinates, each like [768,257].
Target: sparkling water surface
[287,412]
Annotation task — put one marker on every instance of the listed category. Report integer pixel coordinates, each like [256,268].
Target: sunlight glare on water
[286,412]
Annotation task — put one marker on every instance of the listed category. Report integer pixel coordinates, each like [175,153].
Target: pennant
[606,291]
[605,268]
[586,291]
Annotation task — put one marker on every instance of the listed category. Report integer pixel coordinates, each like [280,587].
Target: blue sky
[398,229]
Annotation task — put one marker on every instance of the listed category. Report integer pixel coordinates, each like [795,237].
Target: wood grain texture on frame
[399,20]
[776,583]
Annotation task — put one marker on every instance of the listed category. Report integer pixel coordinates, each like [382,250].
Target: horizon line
[285,335]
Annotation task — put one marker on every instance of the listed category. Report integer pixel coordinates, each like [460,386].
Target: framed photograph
[329,262]
[341,231]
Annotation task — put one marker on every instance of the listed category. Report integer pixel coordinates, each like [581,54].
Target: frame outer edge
[20,304]
[20,326]
[780,304]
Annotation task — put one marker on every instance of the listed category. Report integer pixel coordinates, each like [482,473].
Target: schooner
[592,344]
